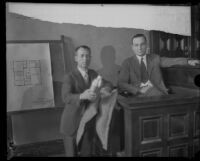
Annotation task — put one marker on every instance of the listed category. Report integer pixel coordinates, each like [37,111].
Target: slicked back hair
[138,35]
[83,47]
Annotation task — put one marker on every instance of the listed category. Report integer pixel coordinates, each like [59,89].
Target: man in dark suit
[77,95]
[140,74]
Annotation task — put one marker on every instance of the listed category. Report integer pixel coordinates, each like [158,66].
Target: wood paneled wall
[173,45]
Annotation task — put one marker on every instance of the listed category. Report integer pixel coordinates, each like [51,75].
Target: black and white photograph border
[140,97]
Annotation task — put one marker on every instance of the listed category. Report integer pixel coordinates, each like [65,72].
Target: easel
[67,49]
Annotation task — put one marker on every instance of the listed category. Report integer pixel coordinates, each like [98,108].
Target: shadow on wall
[110,70]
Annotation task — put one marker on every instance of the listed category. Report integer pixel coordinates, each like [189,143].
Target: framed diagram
[29,76]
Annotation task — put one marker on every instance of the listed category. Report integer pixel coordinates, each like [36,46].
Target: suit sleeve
[123,80]
[168,62]
[68,96]
[108,85]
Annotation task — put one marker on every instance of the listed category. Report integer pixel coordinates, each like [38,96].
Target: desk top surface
[182,96]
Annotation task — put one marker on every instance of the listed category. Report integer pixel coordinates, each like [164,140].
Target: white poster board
[29,76]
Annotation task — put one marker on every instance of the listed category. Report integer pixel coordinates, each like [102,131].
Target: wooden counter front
[164,126]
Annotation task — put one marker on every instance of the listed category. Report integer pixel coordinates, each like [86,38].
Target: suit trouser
[69,145]
[87,142]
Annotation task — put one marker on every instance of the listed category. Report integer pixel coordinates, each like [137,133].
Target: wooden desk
[165,126]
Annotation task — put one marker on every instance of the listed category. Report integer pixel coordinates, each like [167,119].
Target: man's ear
[132,46]
[148,50]
[75,58]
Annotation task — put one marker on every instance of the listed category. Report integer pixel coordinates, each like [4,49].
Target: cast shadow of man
[110,70]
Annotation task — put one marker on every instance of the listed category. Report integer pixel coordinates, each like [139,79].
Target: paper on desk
[148,83]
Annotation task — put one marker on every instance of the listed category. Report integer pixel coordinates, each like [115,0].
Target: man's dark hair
[139,35]
[83,47]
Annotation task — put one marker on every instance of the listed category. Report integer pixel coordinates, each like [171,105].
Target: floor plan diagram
[29,76]
[27,72]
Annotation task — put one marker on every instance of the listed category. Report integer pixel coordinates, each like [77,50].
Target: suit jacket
[73,86]
[130,76]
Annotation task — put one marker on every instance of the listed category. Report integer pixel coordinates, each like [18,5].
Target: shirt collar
[140,57]
[83,72]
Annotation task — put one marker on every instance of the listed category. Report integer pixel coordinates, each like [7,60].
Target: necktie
[86,78]
[144,74]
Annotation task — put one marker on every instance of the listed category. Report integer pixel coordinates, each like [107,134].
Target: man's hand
[148,83]
[144,89]
[193,62]
[105,92]
[88,95]
[145,86]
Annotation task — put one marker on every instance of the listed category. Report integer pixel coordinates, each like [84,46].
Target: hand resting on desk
[150,91]
[194,62]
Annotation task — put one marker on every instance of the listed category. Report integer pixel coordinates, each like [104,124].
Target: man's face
[83,58]
[139,46]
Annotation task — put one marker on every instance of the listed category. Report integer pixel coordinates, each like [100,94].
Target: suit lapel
[136,66]
[81,83]
[149,64]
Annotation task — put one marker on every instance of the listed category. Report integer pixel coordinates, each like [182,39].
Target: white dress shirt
[144,59]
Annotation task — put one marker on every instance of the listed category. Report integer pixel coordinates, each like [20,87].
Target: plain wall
[23,28]
[43,126]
